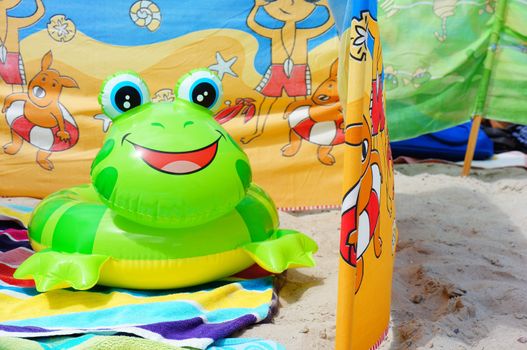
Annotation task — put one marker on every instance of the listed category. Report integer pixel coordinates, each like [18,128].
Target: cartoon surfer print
[289,69]
[11,65]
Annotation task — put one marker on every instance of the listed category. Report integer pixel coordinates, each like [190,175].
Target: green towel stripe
[76,229]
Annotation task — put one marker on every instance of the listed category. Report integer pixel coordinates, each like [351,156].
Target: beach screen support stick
[479,109]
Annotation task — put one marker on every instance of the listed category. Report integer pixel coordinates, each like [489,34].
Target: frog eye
[200,86]
[121,92]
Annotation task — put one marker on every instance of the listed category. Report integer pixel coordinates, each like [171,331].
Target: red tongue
[178,162]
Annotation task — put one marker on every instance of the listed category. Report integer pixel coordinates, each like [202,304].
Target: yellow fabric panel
[291,178]
[368,234]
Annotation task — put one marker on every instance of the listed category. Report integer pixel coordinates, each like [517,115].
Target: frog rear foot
[283,250]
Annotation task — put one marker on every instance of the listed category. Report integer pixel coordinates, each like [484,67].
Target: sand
[460,277]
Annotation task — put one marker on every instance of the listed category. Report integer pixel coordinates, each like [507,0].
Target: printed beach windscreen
[368,234]
[447,60]
[277,61]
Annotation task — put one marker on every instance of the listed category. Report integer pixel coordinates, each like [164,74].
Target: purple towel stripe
[177,330]
[23,329]
[6,244]
[195,328]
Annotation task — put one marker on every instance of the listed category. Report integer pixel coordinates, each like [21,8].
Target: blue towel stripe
[138,314]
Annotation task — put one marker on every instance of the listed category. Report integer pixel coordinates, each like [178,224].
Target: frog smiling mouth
[177,163]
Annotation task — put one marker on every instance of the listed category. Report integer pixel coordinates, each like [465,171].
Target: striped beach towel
[98,342]
[11,212]
[197,317]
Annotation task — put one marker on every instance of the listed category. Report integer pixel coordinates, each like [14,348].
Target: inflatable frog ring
[171,202]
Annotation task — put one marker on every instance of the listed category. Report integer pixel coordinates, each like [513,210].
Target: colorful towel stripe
[196,317]
[14,212]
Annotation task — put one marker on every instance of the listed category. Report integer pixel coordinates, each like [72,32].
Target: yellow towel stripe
[23,217]
[60,302]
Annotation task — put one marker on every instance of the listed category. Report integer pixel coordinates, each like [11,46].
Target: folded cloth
[194,317]
[449,144]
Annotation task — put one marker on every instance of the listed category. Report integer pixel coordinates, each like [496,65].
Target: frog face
[168,164]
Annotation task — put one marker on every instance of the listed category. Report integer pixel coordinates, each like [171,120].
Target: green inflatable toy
[171,202]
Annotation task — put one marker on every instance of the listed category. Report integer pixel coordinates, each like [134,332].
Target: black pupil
[127,97]
[364,149]
[204,94]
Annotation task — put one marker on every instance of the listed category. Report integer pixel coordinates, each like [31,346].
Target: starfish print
[61,28]
[223,67]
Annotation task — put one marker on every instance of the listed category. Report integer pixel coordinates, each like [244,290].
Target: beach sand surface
[460,278]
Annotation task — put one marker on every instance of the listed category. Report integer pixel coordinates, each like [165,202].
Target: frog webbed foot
[283,250]
[54,270]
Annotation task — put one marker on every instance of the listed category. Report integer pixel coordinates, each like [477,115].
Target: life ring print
[145,13]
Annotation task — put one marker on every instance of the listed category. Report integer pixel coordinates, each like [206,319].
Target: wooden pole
[497,27]
[471,147]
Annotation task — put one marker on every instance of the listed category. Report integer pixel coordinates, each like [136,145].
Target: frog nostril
[188,123]
[158,124]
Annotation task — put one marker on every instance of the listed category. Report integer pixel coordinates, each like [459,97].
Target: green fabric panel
[76,229]
[505,99]
[465,58]
[497,27]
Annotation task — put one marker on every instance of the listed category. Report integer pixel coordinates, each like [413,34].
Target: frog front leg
[55,270]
